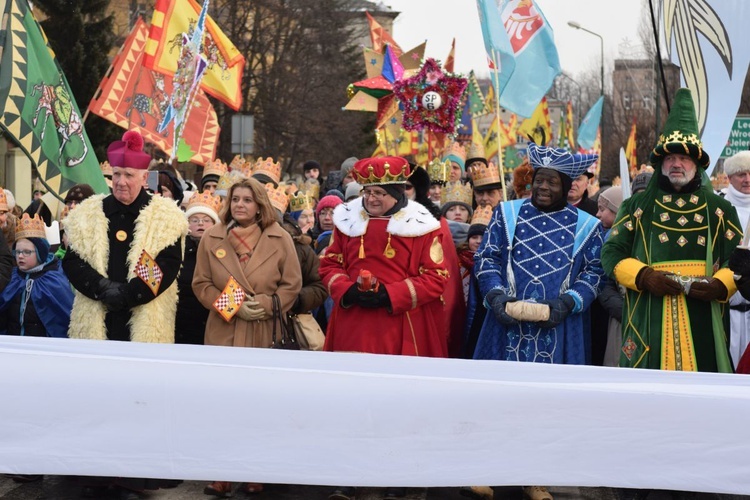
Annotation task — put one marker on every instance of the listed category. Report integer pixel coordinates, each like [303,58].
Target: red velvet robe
[415,278]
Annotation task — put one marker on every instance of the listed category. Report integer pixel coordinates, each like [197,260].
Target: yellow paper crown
[482,175]
[475,151]
[205,199]
[106,168]
[228,179]
[278,196]
[482,215]
[438,170]
[456,191]
[301,201]
[238,163]
[26,227]
[455,148]
[268,167]
[312,188]
[215,167]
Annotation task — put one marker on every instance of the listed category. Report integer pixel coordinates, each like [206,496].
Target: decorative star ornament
[431,78]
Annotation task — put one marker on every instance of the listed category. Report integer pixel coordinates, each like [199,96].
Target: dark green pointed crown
[681,134]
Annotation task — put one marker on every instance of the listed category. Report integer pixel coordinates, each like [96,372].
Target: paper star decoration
[409,92]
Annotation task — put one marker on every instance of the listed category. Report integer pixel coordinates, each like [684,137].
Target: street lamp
[577,26]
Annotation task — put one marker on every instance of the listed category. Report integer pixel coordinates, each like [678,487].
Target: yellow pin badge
[230,299]
[149,272]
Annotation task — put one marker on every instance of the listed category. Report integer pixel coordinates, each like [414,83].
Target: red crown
[382,170]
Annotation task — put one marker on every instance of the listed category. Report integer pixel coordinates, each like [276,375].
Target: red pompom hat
[381,171]
[128,152]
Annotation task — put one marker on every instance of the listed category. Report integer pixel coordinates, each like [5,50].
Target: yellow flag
[538,127]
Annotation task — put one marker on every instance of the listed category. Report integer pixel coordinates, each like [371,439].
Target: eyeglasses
[25,253]
[196,220]
[375,194]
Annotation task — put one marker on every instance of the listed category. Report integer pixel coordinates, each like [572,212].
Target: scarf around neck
[737,198]
[244,240]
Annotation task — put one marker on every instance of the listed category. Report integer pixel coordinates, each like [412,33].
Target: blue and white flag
[708,39]
[590,124]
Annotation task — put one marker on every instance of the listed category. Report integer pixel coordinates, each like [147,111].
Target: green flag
[37,108]
[477,104]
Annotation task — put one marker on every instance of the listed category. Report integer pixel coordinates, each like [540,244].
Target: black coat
[190,322]
[86,279]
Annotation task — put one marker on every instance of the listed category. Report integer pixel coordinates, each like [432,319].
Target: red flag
[380,37]
[134,97]
[450,61]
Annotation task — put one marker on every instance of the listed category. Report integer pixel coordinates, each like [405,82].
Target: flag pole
[496,63]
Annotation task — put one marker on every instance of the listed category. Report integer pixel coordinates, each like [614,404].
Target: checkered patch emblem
[149,272]
[230,299]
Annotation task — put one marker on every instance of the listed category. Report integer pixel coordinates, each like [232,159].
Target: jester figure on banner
[191,66]
[669,247]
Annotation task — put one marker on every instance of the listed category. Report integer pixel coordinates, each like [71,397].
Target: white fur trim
[738,163]
[158,225]
[411,221]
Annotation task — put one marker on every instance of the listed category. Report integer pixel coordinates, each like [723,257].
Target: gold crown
[228,179]
[482,175]
[205,199]
[106,168]
[238,163]
[312,188]
[438,170]
[268,167]
[455,148]
[456,191]
[301,201]
[215,167]
[387,178]
[475,151]
[482,215]
[278,196]
[26,227]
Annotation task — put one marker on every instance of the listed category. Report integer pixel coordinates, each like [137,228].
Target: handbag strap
[275,311]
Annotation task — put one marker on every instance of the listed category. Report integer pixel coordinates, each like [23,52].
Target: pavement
[63,488]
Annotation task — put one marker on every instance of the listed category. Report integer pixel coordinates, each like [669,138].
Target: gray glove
[497,300]
[250,310]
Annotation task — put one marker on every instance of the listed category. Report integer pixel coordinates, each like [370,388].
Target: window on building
[626,101]
[646,102]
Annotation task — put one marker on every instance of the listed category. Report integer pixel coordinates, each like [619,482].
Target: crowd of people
[393,258]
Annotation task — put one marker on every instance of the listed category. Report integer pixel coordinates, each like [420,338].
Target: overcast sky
[438,21]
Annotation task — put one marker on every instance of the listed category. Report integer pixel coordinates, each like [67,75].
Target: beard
[679,179]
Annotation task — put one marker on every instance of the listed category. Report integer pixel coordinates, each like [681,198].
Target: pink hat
[329,201]
[128,152]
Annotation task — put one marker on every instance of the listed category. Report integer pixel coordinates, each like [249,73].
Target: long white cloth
[216,413]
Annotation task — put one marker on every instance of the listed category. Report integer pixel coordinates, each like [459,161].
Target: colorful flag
[172,18]
[477,103]
[37,108]
[490,99]
[630,149]
[134,98]
[149,272]
[562,132]
[230,299]
[450,61]
[589,126]
[380,37]
[538,128]
[465,127]
[569,127]
[496,44]
[512,127]
[536,60]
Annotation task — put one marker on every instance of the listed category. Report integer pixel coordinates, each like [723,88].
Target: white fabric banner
[214,413]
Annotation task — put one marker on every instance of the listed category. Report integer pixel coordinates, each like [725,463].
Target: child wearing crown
[38,300]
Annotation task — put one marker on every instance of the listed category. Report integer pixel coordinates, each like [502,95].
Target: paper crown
[457,150]
[239,163]
[312,188]
[457,192]
[3,201]
[204,199]
[559,159]
[301,201]
[128,153]
[269,168]
[681,133]
[382,170]
[482,215]
[106,168]
[26,227]
[215,167]
[476,153]
[439,171]
[227,180]
[485,175]
[278,196]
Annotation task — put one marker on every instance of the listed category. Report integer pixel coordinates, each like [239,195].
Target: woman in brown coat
[252,247]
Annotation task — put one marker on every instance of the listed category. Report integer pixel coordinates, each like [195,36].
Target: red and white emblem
[522,22]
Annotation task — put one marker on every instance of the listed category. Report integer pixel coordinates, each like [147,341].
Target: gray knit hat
[352,191]
[348,165]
